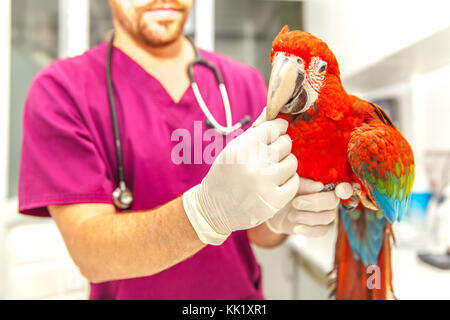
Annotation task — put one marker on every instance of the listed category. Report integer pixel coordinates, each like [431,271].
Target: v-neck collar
[128,65]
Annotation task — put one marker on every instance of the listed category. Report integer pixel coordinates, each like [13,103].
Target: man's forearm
[263,237]
[129,245]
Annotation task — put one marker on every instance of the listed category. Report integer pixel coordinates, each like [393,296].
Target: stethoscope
[122,195]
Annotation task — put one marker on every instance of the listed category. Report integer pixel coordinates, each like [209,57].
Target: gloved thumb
[262,118]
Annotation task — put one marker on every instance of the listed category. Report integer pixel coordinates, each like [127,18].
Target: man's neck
[168,64]
[147,55]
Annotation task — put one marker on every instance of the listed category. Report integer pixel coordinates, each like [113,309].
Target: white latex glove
[252,179]
[312,211]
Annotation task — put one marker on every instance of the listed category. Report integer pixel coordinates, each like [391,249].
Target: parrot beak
[286,93]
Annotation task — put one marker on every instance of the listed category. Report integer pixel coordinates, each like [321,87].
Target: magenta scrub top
[68,157]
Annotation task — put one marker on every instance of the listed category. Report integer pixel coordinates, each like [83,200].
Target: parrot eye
[323,68]
[300,61]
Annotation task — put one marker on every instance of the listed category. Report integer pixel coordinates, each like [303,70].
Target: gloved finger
[316,231]
[316,202]
[281,148]
[312,218]
[344,190]
[275,228]
[285,192]
[262,118]
[270,131]
[257,221]
[308,186]
[285,169]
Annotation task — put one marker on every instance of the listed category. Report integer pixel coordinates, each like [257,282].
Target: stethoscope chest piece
[123,197]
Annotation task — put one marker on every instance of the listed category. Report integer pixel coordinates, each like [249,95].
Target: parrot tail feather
[357,278]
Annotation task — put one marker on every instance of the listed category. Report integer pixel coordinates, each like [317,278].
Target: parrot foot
[354,201]
[356,188]
[352,204]
[329,187]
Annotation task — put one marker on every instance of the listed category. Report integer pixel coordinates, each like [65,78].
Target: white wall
[74,27]
[365,35]
[361,32]
[5,27]
[424,109]
[5,36]
[204,24]
[432,90]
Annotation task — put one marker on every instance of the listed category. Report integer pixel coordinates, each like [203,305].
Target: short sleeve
[60,164]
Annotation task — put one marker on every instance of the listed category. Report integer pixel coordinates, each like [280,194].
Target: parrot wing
[383,160]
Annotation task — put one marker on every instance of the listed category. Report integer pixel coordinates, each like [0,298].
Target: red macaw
[339,137]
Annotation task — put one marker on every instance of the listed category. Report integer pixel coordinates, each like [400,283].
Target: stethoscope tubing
[112,105]
[211,121]
[123,196]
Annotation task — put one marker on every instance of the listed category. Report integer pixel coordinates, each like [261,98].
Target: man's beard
[153,38]
[162,33]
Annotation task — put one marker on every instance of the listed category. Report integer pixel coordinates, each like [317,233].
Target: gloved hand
[252,179]
[312,211]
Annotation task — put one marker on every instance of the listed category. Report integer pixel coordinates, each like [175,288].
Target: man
[185,236]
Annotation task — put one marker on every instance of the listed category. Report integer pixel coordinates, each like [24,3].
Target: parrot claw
[356,188]
[352,204]
[329,187]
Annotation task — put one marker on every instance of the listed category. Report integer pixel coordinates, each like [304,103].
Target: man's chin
[161,33]
[156,40]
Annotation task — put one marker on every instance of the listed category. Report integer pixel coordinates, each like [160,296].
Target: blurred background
[392,52]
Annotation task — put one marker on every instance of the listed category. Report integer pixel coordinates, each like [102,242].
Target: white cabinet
[38,265]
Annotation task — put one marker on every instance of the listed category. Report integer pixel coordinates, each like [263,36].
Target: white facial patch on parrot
[294,86]
[315,76]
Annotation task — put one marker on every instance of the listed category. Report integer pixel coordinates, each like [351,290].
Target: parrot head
[302,67]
